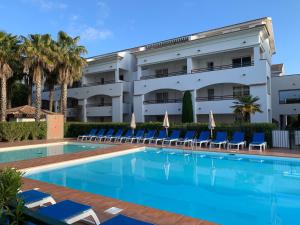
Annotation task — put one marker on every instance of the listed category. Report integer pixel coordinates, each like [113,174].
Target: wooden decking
[101,203]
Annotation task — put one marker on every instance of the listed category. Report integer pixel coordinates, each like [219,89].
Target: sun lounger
[84,136]
[70,212]
[203,138]
[188,138]
[34,198]
[238,140]
[139,135]
[173,138]
[161,136]
[116,136]
[98,135]
[258,140]
[221,139]
[150,135]
[128,135]
[109,133]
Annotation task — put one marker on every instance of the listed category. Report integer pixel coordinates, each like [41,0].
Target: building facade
[286,100]
[216,66]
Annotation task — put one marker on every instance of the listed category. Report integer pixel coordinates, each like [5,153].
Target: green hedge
[73,129]
[17,131]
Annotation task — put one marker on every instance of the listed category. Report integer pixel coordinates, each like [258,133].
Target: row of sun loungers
[68,211]
[190,138]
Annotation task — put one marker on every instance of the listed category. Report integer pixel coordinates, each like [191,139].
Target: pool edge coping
[68,163]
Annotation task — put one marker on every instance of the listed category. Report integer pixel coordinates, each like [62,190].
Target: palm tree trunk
[64,98]
[3,98]
[29,98]
[38,101]
[9,93]
[51,99]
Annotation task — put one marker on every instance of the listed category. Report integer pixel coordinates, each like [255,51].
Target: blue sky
[111,25]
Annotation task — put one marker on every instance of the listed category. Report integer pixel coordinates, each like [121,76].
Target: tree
[245,106]
[37,51]
[51,81]
[8,54]
[187,108]
[69,64]
[19,94]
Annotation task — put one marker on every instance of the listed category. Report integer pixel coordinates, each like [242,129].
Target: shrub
[10,184]
[73,129]
[16,131]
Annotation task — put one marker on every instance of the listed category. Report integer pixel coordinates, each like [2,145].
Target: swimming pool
[30,152]
[222,188]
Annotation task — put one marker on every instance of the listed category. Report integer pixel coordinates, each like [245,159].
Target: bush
[17,131]
[10,184]
[73,129]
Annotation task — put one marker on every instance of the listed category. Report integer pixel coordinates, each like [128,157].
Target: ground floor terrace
[101,203]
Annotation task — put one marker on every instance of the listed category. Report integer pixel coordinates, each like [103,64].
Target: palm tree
[69,64]
[51,81]
[245,106]
[37,51]
[8,54]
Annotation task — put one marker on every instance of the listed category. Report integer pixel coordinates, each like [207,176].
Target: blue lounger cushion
[32,196]
[124,220]
[63,210]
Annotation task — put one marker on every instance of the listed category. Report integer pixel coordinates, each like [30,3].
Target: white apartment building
[285,97]
[216,66]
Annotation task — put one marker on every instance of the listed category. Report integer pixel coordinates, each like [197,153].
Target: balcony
[96,83]
[219,106]
[216,98]
[99,105]
[222,67]
[177,73]
[162,101]
[93,110]
[107,88]
[159,107]
[246,74]
[73,112]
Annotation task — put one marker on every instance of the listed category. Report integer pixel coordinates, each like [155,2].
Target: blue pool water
[222,188]
[39,152]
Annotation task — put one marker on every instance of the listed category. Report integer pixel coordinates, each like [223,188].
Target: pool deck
[101,203]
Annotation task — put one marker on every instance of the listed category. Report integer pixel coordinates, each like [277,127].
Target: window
[210,65]
[184,68]
[121,77]
[161,72]
[289,96]
[162,97]
[240,62]
[210,94]
[239,91]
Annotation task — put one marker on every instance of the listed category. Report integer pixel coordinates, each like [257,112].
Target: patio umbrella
[132,123]
[211,122]
[166,122]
